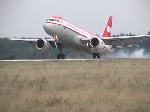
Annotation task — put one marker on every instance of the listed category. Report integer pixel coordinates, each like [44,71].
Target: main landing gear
[96,55]
[60,56]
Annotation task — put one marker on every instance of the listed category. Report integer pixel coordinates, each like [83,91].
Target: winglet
[107,30]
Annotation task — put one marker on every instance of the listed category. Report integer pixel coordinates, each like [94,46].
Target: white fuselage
[71,36]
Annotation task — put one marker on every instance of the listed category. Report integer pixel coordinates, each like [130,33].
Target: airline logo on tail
[107,30]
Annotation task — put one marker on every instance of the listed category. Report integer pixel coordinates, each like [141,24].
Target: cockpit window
[57,20]
[53,20]
[50,20]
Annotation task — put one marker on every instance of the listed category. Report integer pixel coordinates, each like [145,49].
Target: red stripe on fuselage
[68,28]
[61,18]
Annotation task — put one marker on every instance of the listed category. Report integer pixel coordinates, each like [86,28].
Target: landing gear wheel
[58,56]
[63,56]
[96,55]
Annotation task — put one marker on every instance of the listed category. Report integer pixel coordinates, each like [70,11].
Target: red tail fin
[107,30]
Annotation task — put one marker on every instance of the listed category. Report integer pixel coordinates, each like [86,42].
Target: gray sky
[26,17]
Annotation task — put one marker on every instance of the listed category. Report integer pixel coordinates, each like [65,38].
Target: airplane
[68,35]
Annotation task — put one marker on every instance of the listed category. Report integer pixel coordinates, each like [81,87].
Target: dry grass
[77,86]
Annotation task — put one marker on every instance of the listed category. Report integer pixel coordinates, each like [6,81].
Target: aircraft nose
[45,27]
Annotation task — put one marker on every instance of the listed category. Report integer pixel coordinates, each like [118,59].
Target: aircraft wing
[125,39]
[31,39]
[51,41]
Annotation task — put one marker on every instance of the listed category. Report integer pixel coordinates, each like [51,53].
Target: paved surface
[64,60]
[49,60]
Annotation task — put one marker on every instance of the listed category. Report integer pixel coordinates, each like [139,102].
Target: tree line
[24,50]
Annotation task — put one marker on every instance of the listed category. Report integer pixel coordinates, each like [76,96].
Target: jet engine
[97,43]
[43,44]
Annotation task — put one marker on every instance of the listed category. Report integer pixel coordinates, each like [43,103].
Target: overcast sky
[26,17]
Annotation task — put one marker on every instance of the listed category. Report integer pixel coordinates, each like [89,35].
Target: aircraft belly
[68,38]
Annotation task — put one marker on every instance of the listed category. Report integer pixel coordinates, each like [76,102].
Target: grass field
[114,85]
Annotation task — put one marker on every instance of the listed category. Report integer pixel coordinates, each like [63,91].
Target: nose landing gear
[60,48]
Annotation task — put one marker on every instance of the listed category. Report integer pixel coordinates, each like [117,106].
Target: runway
[49,60]
[67,60]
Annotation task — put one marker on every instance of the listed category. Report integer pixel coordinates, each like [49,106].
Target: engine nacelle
[97,43]
[43,44]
